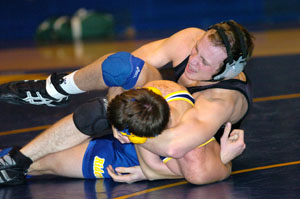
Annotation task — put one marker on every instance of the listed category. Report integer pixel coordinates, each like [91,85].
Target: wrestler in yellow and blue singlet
[109,151]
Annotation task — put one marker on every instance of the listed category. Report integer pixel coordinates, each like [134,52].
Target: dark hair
[234,42]
[141,111]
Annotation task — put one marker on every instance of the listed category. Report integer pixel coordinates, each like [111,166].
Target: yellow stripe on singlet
[182,99]
[176,92]
[210,140]
[179,98]
[167,159]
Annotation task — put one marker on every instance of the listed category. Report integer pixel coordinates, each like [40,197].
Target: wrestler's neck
[185,81]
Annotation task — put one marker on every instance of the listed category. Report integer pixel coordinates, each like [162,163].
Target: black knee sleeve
[90,118]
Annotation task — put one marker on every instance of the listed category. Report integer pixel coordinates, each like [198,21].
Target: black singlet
[243,87]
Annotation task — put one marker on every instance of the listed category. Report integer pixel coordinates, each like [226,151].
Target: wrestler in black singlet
[231,84]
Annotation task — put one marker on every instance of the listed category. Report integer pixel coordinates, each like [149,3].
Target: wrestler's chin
[190,75]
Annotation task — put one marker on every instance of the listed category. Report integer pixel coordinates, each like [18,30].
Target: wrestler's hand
[126,174]
[122,138]
[232,145]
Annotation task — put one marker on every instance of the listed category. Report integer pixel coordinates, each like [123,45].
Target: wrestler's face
[205,60]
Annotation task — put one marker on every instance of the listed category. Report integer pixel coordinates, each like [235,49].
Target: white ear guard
[232,67]
[232,70]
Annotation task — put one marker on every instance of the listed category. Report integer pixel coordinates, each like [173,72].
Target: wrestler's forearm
[158,174]
[196,127]
[175,142]
[153,167]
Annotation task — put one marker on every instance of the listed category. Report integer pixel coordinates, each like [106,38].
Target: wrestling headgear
[232,65]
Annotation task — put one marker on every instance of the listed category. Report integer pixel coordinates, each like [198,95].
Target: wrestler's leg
[55,90]
[101,74]
[64,163]
[90,77]
[62,135]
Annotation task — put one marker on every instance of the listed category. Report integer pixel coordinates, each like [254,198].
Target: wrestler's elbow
[175,151]
[149,175]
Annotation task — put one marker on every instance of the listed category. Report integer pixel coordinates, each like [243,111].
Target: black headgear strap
[238,34]
[226,42]
[232,66]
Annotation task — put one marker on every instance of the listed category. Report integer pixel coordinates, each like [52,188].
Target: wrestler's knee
[121,69]
[90,118]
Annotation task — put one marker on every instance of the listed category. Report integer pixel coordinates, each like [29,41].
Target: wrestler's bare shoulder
[179,45]
[172,49]
[188,36]
[190,32]
[234,101]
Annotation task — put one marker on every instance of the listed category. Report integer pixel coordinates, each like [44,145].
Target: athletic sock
[59,86]
[69,84]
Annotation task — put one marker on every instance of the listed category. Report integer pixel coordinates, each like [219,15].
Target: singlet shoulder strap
[180,95]
[179,69]
[231,84]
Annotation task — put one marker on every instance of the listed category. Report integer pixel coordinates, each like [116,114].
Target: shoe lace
[7,161]
[34,92]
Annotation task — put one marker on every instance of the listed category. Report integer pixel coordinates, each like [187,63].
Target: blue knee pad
[122,69]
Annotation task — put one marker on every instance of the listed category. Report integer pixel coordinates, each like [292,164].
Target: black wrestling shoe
[29,92]
[10,172]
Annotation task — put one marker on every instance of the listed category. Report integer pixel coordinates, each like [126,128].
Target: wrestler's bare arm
[201,123]
[206,164]
[202,165]
[153,167]
[172,49]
